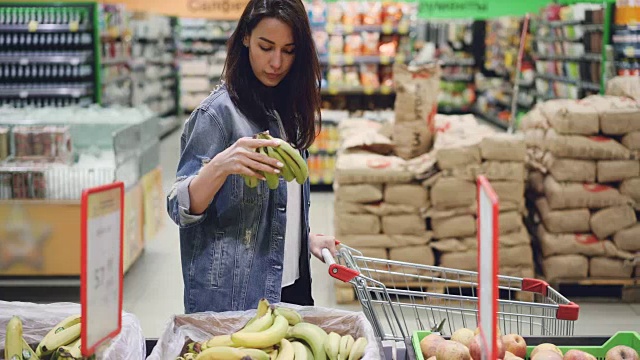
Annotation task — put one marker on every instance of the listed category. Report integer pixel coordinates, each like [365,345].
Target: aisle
[153,287]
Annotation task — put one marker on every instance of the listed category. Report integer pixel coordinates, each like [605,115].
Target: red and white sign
[101,265]
[488,260]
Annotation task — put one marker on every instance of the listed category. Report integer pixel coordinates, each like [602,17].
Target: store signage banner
[478,9]
[204,9]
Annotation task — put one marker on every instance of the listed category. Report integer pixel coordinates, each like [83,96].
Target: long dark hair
[297,97]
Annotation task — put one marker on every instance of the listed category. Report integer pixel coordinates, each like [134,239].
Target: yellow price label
[403,27]
[368,90]
[400,58]
[334,59]
[32,26]
[629,51]
[73,26]
[508,59]
[385,60]
[387,28]
[333,90]
[113,32]
[330,27]
[349,60]
[348,28]
[385,90]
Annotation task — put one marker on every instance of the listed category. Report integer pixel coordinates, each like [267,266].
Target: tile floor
[153,286]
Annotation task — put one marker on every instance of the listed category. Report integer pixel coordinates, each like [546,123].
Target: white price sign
[488,260]
[101,273]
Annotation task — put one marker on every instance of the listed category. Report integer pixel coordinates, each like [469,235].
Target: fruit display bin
[590,345]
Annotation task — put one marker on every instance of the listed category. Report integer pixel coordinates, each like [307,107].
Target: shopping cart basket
[398,298]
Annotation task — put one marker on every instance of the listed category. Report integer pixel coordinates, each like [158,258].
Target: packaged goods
[359,193]
[409,224]
[509,191]
[626,86]
[367,140]
[454,227]
[367,241]
[413,254]
[357,224]
[570,170]
[466,260]
[453,157]
[566,244]
[534,119]
[516,238]
[343,207]
[563,221]
[406,194]
[535,138]
[518,271]
[631,188]
[632,140]
[448,245]
[363,167]
[618,115]
[617,170]
[608,267]
[382,209]
[516,255]
[565,266]
[504,147]
[375,253]
[607,222]
[4,143]
[410,240]
[628,239]
[416,104]
[588,148]
[576,196]
[571,117]
[450,193]
[510,221]
[492,170]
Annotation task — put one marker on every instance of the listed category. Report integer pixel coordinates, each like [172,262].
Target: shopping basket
[397,298]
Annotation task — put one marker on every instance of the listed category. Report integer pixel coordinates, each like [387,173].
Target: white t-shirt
[292,235]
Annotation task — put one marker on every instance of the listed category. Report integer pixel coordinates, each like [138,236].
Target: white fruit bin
[202,326]
[38,319]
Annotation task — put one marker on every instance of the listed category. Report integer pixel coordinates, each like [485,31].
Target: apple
[429,345]
[545,346]
[451,350]
[463,336]
[578,355]
[510,356]
[476,348]
[547,355]
[622,352]
[515,344]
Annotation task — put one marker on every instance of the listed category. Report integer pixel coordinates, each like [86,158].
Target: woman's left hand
[317,242]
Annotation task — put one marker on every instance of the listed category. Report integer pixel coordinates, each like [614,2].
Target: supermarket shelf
[321,187]
[350,60]
[459,78]
[492,120]
[357,90]
[46,58]
[38,281]
[221,39]
[561,23]
[116,80]
[115,61]
[74,92]
[593,27]
[545,97]
[590,86]
[558,78]
[453,110]
[347,29]
[588,57]
[323,152]
[35,27]
[629,52]
[552,39]
[457,62]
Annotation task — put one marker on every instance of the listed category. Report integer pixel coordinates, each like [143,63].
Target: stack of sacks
[587,180]
[378,206]
[463,150]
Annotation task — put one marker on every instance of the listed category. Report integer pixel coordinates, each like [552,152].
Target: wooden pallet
[625,289]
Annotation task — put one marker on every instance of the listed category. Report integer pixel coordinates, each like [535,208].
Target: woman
[241,244]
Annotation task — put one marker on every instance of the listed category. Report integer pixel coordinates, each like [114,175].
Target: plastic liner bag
[202,326]
[38,319]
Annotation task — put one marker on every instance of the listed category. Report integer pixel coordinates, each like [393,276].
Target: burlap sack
[449,158]
[342,207]
[454,227]
[571,117]
[627,86]
[628,239]
[368,241]
[509,191]
[416,104]
[565,244]
[520,237]
[407,194]
[510,221]
[504,147]
[565,267]
[360,193]
[467,260]
[607,222]
[563,221]
[516,255]
[617,170]
[588,148]
[536,182]
[410,224]
[448,245]
[608,267]
[535,138]
[361,224]
[632,140]
[618,115]
[450,193]
[413,254]
[534,119]
[519,271]
[367,140]
[383,209]
[411,240]
[369,168]
[492,170]
[631,188]
[570,169]
[575,196]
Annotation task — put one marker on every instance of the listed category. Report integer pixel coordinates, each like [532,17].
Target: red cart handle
[338,271]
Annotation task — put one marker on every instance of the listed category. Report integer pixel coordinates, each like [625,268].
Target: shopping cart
[399,298]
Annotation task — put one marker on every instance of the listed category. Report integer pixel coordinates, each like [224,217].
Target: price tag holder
[385,90]
[101,259]
[387,28]
[368,90]
[32,26]
[403,27]
[385,60]
[348,28]
[333,90]
[74,26]
[330,28]
[334,59]
[400,59]
[488,260]
[349,59]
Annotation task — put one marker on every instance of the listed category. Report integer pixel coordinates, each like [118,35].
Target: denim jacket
[232,254]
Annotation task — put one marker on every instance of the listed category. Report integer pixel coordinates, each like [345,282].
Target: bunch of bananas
[277,334]
[294,165]
[62,342]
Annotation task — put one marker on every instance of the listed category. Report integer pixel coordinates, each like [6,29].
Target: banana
[285,171]
[222,353]
[293,157]
[27,352]
[263,307]
[299,351]
[332,345]
[346,343]
[13,339]
[263,323]
[73,351]
[273,355]
[61,338]
[272,179]
[256,354]
[263,339]
[292,316]
[189,356]
[309,353]
[313,335]
[220,340]
[357,350]
[250,181]
[64,324]
[286,350]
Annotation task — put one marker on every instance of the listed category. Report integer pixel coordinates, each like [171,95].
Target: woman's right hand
[242,158]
